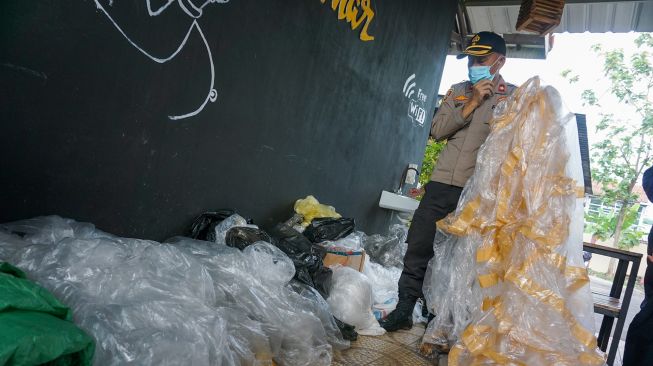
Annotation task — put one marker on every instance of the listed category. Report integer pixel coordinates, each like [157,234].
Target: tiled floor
[399,348]
[392,349]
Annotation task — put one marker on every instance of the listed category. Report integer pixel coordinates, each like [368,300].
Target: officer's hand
[481,91]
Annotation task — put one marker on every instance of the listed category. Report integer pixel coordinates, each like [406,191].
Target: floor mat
[396,348]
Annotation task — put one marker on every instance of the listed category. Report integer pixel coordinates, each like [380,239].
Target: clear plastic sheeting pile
[351,300]
[183,302]
[384,281]
[389,250]
[508,286]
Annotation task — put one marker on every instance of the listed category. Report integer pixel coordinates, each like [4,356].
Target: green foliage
[627,148]
[566,73]
[600,225]
[433,149]
[603,227]
[630,238]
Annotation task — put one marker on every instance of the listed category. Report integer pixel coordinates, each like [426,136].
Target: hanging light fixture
[539,16]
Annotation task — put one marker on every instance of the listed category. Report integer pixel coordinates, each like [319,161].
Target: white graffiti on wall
[192,10]
[416,110]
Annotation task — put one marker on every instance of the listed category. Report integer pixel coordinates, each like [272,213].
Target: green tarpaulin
[35,328]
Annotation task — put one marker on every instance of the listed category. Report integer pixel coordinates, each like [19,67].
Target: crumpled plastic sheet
[387,250]
[242,237]
[508,285]
[384,281]
[350,300]
[352,242]
[180,302]
[223,227]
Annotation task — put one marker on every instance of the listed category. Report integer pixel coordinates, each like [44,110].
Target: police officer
[462,120]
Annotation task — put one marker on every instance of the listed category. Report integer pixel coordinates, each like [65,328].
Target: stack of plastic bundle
[181,302]
[508,285]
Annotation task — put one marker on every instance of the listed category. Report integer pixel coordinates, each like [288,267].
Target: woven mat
[392,349]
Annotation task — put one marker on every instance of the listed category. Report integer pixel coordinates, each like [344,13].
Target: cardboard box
[353,259]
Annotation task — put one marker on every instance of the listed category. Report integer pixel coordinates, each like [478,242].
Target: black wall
[303,107]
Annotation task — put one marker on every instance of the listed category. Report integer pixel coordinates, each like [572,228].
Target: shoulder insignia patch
[501,88]
[448,94]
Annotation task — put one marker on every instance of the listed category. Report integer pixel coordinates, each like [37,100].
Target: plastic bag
[509,284]
[227,224]
[387,250]
[384,281]
[329,229]
[184,301]
[347,330]
[420,314]
[271,265]
[241,237]
[203,227]
[306,257]
[10,245]
[311,299]
[51,229]
[350,300]
[353,242]
[310,209]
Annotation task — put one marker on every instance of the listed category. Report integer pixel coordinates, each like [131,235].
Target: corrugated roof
[623,16]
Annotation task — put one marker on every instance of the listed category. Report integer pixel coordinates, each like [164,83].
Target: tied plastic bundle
[350,300]
[387,250]
[182,302]
[508,285]
[384,282]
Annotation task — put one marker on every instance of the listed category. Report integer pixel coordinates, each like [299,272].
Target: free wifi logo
[409,86]
[416,104]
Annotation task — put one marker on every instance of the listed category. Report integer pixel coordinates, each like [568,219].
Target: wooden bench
[611,305]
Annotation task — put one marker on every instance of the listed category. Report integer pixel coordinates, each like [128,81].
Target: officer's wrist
[473,103]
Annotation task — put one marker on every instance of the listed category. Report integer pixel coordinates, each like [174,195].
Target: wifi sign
[409,86]
[416,107]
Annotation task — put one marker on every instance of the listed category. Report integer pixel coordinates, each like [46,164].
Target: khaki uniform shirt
[464,136]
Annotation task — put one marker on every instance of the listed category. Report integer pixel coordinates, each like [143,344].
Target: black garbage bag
[306,257]
[241,237]
[322,280]
[326,228]
[346,330]
[203,227]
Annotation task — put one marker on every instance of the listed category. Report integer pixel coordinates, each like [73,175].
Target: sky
[570,51]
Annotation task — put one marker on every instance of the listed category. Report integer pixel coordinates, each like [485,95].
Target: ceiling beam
[518,2]
[524,39]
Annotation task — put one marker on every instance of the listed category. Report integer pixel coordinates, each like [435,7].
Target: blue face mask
[478,73]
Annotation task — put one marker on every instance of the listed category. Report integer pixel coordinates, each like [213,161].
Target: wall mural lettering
[416,104]
[349,10]
[194,12]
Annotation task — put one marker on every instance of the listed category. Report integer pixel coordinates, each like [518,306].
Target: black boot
[402,316]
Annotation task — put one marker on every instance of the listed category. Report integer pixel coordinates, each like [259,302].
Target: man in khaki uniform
[462,120]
